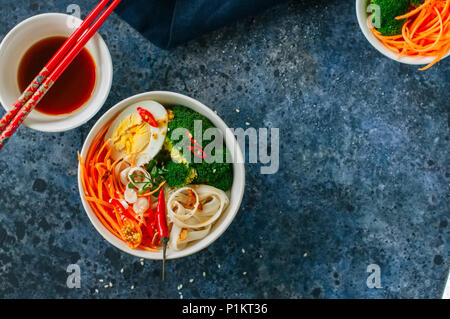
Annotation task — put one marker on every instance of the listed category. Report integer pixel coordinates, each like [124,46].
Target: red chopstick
[59,64]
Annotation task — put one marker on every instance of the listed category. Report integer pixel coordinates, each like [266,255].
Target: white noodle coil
[193,221]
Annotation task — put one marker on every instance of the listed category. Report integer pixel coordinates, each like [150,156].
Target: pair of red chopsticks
[53,70]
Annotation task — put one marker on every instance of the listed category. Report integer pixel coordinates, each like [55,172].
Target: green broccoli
[219,175]
[417,3]
[183,118]
[389,9]
[178,174]
[184,169]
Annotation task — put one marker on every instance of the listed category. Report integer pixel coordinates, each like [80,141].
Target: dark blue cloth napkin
[168,23]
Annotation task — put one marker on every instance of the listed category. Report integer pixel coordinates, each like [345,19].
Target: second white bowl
[362,15]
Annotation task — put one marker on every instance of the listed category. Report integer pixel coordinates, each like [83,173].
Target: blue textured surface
[364,177]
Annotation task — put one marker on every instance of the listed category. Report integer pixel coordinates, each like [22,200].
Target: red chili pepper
[118,205]
[147,117]
[163,229]
[197,146]
[129,230]
[124,213]
[151,224]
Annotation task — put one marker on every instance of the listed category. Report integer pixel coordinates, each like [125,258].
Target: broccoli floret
[178,174]
[417,3]
[184,118]
[219,175]
[389,9]
[184,169]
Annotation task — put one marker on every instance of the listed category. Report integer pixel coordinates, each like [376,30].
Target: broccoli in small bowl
[417,3]
[386,11]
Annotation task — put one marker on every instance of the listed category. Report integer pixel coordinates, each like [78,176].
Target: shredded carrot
[100,185]
[98,201]
[426,33]
[413,12]
[100,189]
[110,188]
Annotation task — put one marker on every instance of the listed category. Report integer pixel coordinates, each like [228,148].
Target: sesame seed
[218,266]
[132,287]
[204,274]
[181,296]
[191,281]
[237,110]
[244,273]
[100,280]
[305,255]
[247,123]
[142,263]
[106,286]
[121,271]
[180,287]
[96,291]
[110,284]
[243,250]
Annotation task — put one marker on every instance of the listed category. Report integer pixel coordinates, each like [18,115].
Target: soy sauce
[72,90]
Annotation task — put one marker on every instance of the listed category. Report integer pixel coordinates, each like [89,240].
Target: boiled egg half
[130,135]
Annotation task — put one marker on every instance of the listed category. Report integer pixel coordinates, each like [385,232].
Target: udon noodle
[193,210]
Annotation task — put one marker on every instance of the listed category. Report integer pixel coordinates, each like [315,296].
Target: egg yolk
[131,135]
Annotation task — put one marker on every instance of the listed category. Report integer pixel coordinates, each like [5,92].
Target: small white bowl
[236,193]
[26,34]
[363,21]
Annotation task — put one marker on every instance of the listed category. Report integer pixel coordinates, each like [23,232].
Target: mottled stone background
[364,176]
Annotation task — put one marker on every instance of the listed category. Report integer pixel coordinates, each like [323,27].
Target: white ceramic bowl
[21,38]
[236,193]
[362,15]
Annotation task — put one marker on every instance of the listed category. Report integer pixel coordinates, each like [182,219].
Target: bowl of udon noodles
[161,142]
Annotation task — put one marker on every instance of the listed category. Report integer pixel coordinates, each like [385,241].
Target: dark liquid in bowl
[72,90]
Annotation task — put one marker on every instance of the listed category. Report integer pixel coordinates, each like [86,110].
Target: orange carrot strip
[413,12]
[98,201]
[103,221]
[154,191]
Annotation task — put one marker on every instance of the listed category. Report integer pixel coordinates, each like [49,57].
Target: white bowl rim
[106,86]
[238,168]
[362,17]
